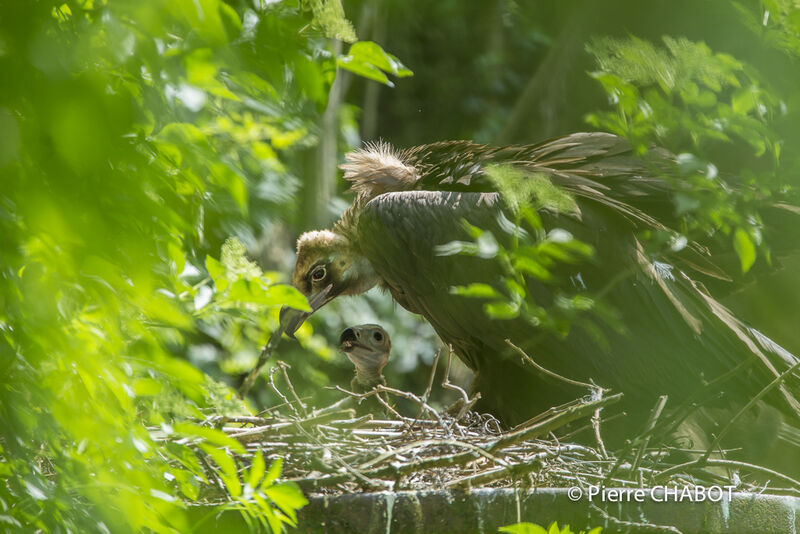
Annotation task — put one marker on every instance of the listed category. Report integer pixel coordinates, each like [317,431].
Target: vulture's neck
[347,225]
[362,275]
[368,378]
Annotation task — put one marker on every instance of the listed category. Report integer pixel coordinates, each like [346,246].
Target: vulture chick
[368,347]
[675,339]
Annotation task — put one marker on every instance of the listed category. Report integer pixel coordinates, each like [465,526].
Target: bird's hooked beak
[291,319]
[349,340]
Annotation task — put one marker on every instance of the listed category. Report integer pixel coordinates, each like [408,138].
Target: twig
[343,404]
[389,408]
[278,391]
[428,389]
[356,422]
[266,353]
[587,427]
[242,419]
[329,448]
[553,410]
[621,456]
[515,470]
[595,421]
[545,427]
[253,434]
[644,437]
[358,397]
[703,394]
[434,365]
[410,396]
[283,365]
[433,443]
[652,420]
[597,391]
[548,372]
[769,387]
[396,470]
[701,462]
[350,469]
[467,403]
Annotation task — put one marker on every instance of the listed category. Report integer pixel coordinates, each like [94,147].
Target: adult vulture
[672,337]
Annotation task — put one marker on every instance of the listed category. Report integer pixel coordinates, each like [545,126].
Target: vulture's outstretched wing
[597,160]
[677,338]
[598,167]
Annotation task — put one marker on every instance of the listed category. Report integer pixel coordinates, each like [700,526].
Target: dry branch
[330,450]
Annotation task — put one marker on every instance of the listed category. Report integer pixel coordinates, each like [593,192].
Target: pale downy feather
[376,169]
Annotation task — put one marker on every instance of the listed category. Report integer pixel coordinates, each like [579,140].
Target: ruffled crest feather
[378,168]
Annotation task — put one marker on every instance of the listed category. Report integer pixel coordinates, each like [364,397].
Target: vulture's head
[327,266]
[368,347]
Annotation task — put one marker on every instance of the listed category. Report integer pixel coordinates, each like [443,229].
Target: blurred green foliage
[532,253]
[137,137]
[686,98]
[531,528]
[700,105]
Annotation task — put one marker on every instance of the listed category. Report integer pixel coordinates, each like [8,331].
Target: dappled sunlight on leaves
[137,136]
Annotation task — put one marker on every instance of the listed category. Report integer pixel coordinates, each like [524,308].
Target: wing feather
[678,337]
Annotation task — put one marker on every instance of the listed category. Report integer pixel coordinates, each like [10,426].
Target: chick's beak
[349,340]
[291,319]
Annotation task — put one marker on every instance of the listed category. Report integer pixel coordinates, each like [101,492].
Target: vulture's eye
[378,336]
[318,273]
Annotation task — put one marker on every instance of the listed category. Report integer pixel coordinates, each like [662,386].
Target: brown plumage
[675,337]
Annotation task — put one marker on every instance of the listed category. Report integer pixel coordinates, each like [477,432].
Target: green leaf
[745,249]
[256,470]
[209,435]
[286,295]
[146,387]
[273,473]
[274,519]
[230,21]
[217,273]
[243,292]
[176,255]
[369,60]
[502,310]
[476,290]
[581,303]
[182,133]
[523,528]
[234,182]
[366,70]
[208,18]
[456,247]
[515,288]
[10,521]
[229,474]
[743,101]
[532,267]
[187,483]
[288,497]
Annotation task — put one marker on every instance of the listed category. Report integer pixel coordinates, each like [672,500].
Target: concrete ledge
[484,510]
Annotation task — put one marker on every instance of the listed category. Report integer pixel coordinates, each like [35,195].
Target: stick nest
[331,450]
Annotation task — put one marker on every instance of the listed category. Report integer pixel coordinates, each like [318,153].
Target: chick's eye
[318,274]
[378,336]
